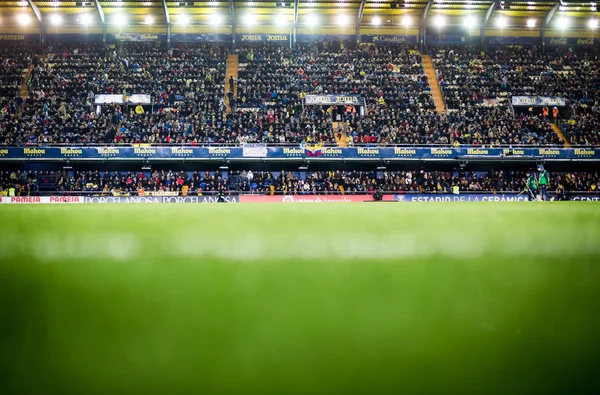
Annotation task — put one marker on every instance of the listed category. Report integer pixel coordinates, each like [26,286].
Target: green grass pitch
[470,298]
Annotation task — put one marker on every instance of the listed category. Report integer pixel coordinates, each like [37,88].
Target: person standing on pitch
[543,181]
[531,187]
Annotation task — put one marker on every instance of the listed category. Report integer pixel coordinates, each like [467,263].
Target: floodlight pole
[486,18]
[233,26]
[38,16]
[102,19]
[422,29]
[168,20]
[361,12]
[295,27]
[546,23]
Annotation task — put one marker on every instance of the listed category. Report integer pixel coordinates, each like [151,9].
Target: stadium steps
[560,134]
[341,141]
[436,92]
[233,67]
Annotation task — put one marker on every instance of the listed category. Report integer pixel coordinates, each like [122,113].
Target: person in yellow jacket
[139,110]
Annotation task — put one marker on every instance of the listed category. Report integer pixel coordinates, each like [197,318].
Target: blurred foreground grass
[300,299]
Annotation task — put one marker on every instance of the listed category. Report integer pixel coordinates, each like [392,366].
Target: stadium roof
[316,13]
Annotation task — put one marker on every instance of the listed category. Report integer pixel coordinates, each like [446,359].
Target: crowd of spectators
[188,90]
[23,183]
[186,86]
[14,63]
[399,108]
[470,77]
[285,182]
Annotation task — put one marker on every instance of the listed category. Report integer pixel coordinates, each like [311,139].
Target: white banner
[118,99]
[538,101]
[255,150]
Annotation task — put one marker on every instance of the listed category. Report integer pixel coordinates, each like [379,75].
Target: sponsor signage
[316,152]
[480,197]
[572,41]
[513,40]
[19,37]
[309,38]
[41,199]
[308,198]
[585,198]
[204,37]
[115,199]
[262,38]
[158,199]
[538,101]
[332,99]
[58,37]
[385,39]
[121,99]
[136,37]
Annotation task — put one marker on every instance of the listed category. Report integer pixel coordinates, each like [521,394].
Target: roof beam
[488,14]
[486,19]
[361,11]
[233,25]
[426,12]
[166,10]
[100,11]
[295,12]
[551,15]
[35,10]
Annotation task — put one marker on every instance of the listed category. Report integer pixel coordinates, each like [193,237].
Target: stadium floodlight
[470,22]
[250,19]
[86,19]
[376,21]
[119,19]
[342,20]
[56,19]
[593,23]
[24,19]
[55,3]
[280,20]
[501,22]
[406,21]
[563,22]
[183,19]
[149,20]
[531,22]
[439,21]
[312,20]
[216,19]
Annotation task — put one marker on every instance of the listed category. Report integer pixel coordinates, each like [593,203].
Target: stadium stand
[188,86]
[284,182]
[472,78]
[275,79]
